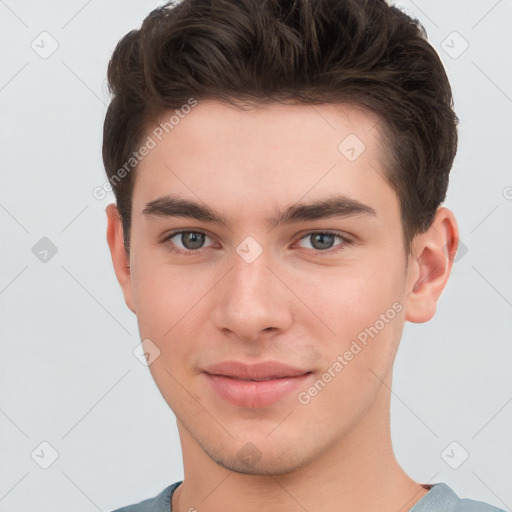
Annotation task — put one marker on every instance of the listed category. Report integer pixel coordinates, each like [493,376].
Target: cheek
[169,306]
[365,310]
[367,316]
[355,298]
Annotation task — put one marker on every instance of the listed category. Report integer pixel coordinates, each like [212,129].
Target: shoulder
[160,503]
[466,505]
[442,498]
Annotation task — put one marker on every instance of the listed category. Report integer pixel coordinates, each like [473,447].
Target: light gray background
[68,374]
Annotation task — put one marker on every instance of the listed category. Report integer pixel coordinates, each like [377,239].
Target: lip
[254,386]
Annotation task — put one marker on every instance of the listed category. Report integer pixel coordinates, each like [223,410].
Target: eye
[323,241]
[186,242]
[191,242]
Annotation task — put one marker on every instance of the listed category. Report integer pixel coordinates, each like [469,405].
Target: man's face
[254,292]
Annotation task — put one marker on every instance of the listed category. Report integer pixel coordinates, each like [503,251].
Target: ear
[430,266]
[119,257]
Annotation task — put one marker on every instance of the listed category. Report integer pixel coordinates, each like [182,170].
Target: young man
[279,169]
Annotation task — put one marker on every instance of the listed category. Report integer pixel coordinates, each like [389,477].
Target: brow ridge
[336,206]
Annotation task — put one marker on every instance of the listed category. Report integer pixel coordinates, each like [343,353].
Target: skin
[292,304]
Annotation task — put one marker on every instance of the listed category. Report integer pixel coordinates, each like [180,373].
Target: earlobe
[120,259]
[430,266]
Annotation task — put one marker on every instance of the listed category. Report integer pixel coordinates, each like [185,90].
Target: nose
[251,302]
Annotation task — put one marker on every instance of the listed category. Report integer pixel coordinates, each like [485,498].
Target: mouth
[254,380]
[267,370]
[254,386]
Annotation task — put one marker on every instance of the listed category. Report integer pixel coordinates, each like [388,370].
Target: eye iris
[192,240]
[321,237]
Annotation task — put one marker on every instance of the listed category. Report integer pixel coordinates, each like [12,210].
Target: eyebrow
[337,206]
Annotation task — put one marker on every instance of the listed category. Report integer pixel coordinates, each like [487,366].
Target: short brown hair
[361,52]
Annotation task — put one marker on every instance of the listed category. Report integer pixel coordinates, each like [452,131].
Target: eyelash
[332,251]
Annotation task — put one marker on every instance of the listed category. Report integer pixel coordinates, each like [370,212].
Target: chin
[260,457]
[266,466]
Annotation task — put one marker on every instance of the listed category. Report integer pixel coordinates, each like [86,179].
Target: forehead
[277,126]
[264,157]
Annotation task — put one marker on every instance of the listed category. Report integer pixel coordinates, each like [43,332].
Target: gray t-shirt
[440,498]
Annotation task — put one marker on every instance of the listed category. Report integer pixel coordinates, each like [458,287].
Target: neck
[360,472]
